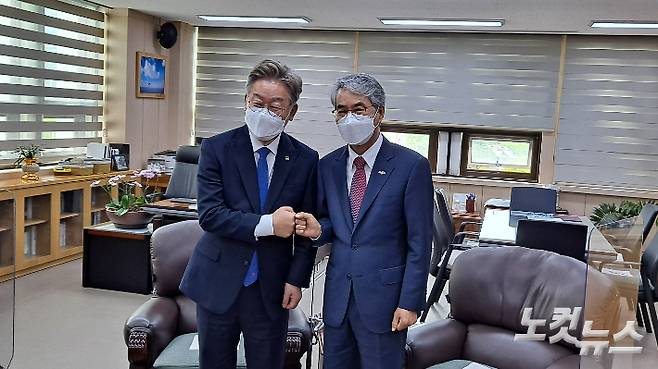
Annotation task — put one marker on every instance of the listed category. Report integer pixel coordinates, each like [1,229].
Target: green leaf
[122,211]
[125,201]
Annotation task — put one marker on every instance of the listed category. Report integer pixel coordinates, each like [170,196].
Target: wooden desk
[167,212]
[496,229]
[459,218]
[172,208]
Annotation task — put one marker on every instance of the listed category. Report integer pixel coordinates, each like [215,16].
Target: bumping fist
[307,225]
[283,221]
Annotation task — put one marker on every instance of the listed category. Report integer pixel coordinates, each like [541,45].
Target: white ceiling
[532,16]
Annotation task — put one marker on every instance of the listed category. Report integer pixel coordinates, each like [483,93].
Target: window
[51,71]
[422,141]
[499,156]
[471,153]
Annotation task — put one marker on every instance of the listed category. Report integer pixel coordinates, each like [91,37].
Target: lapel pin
[381,172]
[286,157]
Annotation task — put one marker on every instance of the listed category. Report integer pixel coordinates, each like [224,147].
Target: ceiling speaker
[167,35]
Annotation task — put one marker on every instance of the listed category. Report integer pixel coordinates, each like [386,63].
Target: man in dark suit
[246,271]
[376,209]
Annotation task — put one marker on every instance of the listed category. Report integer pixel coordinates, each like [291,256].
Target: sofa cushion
[178,355]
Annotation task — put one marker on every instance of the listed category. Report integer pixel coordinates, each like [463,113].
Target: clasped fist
[283,221]
[307,225]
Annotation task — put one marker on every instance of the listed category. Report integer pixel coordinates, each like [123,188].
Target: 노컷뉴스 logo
[562,316]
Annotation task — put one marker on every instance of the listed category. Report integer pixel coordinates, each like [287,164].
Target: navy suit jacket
[384,256]
[229,209]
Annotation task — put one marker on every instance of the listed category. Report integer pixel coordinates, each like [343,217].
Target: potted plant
[608,213]
[125,211]
[27,160]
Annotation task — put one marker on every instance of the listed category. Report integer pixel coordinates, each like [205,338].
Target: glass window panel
[22,138]
[419,142]
[500,155]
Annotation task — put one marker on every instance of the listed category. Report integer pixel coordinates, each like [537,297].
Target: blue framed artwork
[151,75]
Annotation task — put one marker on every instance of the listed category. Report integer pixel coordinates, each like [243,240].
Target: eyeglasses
[359,110]
[275,109]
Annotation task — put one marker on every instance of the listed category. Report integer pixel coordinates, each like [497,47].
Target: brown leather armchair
[169,314]
[489,289]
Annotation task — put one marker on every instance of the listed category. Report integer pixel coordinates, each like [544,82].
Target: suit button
[349,276]
[246,262]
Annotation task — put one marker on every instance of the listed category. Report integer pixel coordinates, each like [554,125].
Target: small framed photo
[151,75]
[119,162]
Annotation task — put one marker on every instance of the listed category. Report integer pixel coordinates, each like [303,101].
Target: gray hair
[274,70]
[361,84]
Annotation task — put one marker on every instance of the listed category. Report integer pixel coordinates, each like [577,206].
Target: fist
[307,225]
[283,221]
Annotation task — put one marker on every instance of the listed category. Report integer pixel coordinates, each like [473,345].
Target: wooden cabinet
[41,223]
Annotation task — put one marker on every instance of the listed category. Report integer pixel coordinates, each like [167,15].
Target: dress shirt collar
[273,146]
[370,155]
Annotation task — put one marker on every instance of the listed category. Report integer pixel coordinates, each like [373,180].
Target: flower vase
[30,170]
[130,220]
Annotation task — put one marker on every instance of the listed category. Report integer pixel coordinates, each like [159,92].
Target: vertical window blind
[51,76]
[608,132]
[225,56]
[474,80]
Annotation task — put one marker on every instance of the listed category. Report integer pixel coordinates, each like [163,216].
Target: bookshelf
[41,223]
[70,219]
[98,200]
[36,239]
[6,235]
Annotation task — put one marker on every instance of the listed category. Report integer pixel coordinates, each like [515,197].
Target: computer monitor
[563,238]
[533,199]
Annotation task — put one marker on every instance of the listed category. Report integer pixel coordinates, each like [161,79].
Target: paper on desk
[195,343]
[192,207]
[476,366]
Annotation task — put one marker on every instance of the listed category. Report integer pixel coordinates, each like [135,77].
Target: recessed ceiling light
[442,22]
[213,18]
[612,24]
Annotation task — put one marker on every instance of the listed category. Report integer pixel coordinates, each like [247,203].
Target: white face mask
[356,129]
[263,124]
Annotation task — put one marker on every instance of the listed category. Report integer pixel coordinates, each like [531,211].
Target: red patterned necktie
[358,187]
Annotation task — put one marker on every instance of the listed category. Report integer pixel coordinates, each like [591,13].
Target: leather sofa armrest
[149,330]
[434,343]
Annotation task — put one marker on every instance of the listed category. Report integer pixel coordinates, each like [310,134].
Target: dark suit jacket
[229,209]
[384,257]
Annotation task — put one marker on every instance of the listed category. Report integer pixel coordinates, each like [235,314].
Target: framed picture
[119,162]
[151,75]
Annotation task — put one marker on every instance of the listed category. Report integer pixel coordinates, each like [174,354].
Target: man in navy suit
[246,271]
[376,210]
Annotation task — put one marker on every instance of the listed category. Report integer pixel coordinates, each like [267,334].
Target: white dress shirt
[264,226]
[369,156]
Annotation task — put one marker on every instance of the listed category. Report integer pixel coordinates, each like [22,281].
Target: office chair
[182,183]
[533,199]
[648,293]
[648,216]
[446,241]
[562,238]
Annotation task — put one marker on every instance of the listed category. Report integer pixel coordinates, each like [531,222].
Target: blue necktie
[263,179]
